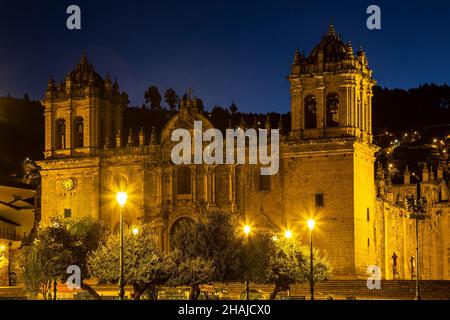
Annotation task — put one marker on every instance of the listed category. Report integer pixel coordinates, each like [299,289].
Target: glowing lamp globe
[311,223]
[122,198]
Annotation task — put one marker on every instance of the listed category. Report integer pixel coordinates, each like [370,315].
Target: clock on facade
[68,184]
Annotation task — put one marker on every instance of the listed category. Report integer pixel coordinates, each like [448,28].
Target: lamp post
[247,230]
[121,200]
[418,208]
[9,264]
[288,235]
[311,223]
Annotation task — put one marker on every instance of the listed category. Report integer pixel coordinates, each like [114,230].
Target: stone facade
[396,231]
[326,165]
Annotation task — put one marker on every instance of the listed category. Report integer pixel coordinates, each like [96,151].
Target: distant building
[326,171]
[17,217]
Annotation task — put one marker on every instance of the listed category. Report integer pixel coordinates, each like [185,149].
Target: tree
[255,252]
[213,238]
[282,262]
[191,272]
[171,98]
[24,120]
[124,99]
[61,243]
[221,117]
[145,266]
[153,98]
[200,105]
[33,272]
[289,262]
[233,108]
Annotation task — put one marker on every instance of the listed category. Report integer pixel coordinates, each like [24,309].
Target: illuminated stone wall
[326,172]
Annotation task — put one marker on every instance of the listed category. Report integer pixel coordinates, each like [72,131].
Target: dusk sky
[224,50]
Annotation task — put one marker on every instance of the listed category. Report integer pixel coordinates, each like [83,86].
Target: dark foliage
[213,239]
[21,133]
[411,109]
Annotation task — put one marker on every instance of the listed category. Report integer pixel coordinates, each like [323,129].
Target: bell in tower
[331,91]
[81,116]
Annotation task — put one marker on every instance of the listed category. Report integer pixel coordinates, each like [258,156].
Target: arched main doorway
[178,227]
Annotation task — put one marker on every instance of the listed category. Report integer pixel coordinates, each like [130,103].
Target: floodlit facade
[327,164]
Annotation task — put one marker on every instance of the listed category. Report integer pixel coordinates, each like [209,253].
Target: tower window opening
[60,134]
[332,112]
[79,133]
[310,112]
[184,180]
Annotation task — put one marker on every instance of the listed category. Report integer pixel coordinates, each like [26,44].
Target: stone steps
[358,288]
[337,289]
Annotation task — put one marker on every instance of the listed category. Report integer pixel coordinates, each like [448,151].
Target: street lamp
[247,229]
[311,223]
[9,264]
[288,234]
[135,231]
[121,200]
[418,208]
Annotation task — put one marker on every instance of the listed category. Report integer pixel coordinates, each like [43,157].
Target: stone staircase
[356,289]
[16,293]
[335,289]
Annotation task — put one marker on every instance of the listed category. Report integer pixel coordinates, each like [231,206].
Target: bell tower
[82,113]
[330,148]
[331,91]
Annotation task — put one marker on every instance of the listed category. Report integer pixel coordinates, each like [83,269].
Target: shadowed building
[17,218]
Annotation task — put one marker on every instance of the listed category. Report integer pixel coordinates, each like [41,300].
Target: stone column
[213,185]
[296,105]
[370,95]
[194,182]
[68,120]
[159,188]
[321,105]
[345,105]
[205,183]
[49,130]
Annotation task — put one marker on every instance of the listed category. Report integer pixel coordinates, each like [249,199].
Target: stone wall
[82,199]
[399,236]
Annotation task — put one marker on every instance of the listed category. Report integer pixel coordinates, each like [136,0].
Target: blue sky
[224,50]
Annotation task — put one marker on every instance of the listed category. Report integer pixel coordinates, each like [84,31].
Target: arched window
[310,112]
[78,132]
[184,180]
[178,230]
[120,182]
[60,142]
[264,182]
[332,115]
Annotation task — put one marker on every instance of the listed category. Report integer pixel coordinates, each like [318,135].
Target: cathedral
[326,170]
